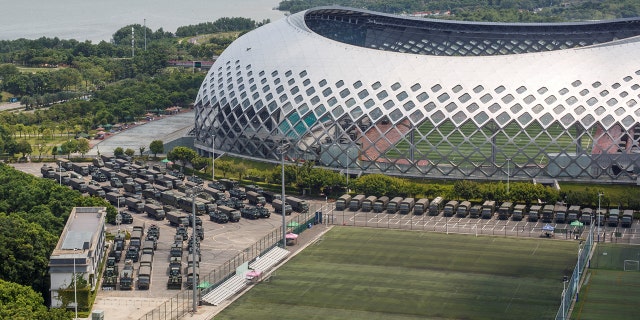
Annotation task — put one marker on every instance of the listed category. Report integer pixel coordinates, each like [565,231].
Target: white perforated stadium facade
[418,97]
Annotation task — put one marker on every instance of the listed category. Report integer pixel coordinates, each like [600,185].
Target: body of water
[98,20]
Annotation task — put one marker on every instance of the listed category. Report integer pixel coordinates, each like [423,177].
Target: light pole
[282,150]
[564,292]
[213,157]
[75,279]
[508,173]
[194,276]
[60,172]
[599,196]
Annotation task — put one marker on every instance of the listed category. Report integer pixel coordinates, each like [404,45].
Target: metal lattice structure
[418,97]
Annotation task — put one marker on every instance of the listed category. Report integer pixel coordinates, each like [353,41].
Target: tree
[465,189]
[199,163]
[22,302]
[24,147]
[182,154]
[83,146]
[142,148]
[69,147]
[156,146]
[130,152]
[118,152]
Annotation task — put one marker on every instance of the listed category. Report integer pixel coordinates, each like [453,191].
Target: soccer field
[359,273]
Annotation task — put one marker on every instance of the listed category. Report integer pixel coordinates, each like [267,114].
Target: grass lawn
[359,273]
[609,291]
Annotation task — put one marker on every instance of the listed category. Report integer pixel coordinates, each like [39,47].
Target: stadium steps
[227,289]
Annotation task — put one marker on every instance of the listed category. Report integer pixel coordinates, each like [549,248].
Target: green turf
[609,292]
[358,273]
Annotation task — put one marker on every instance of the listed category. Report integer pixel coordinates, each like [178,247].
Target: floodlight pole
[283,149]
[213,157]
[564,292]
[348,169]
[508,173]
[75,279]
[194,192]
[599,196]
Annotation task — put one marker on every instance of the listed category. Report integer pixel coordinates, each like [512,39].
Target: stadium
[369,92]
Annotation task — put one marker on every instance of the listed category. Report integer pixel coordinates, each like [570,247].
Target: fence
[182,303]
[571,285]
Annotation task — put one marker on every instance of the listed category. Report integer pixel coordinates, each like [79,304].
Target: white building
[81,246]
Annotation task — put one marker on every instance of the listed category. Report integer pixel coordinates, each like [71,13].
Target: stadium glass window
[579,110]
[558,109]
[332,101]
[327,92]
[263,81]
[478,89]
[628,121]
[409,105]
[567,119]
[563,91]
[287,107]
[604,93]
[279,89]
[627,78]
[388,104]
[298,99]
[472,107]
[416,87]
[356,113]
[349,103]
[600,110]
[546,119]
[320,110]
[303,74]
[323,82]
[521,89]
[337,112]
[416,116]
[230,87]
[596,84]
[243,95]
[529,99]
[635,86]
[376,85]
[608,121]
[631,103]
[363,94]
[459,117]
[494,108]
[253,88]
[251,80]
[576,83]
[429,106]
[481,118]
[261,73]
[255,95]
[306,82]
[524,119]
[516,108]
[456,89]
[584,92]
[245,103]
[315,100]
[310,91]
[592,101]
[464,98]
[294,90]
[402,95]
[382,94]
[486,98]
[638,72]
[376,113]
[499,89]
[291,81]
[303,108]
[615,85]
[274,73]
[588,120]
[550,99]
[542,90]
[436,88]
[369,103]
[357,84]
[239,80]
[508,98]
[571,100]
[288,73]
[503,118]
[339,84]
[269,96]
[443,97]
[272,106]
[612,102]
[344,93]
[395,86]
[623,94]
[422,97]
[619,111]
[395,115]
[537,108]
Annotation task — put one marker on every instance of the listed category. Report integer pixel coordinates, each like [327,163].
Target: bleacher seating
[227,289]
[269,259]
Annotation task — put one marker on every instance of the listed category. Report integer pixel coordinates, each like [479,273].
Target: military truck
[381,204]
[218,217]
[394,205]
[115,198]
[81,169]
[560,211]
[144,278]
[627,218]
[534,213]
[519,212]
[421,206]
[78,184]
[436,206]
[175,278]
[135,205]
[475,211]
[177,218]
[110,275]
[237,193]
[277,207]
[126,276]
[263,211]
[342,202]
[547,213]
[255,198]
[450,208]
[586,214]
[356,202]
[573,213]
[154,211]
[249,213]
[367,204]
[488,209]
[297,204]
[463,209]
[505,210]
[614,217]
[193,277]
[95,191]
[233,214]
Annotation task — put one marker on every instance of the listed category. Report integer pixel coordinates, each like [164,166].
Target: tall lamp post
[194,192]
[599,214]
[565,279]
[213,157]
[282,150]
[508,173]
